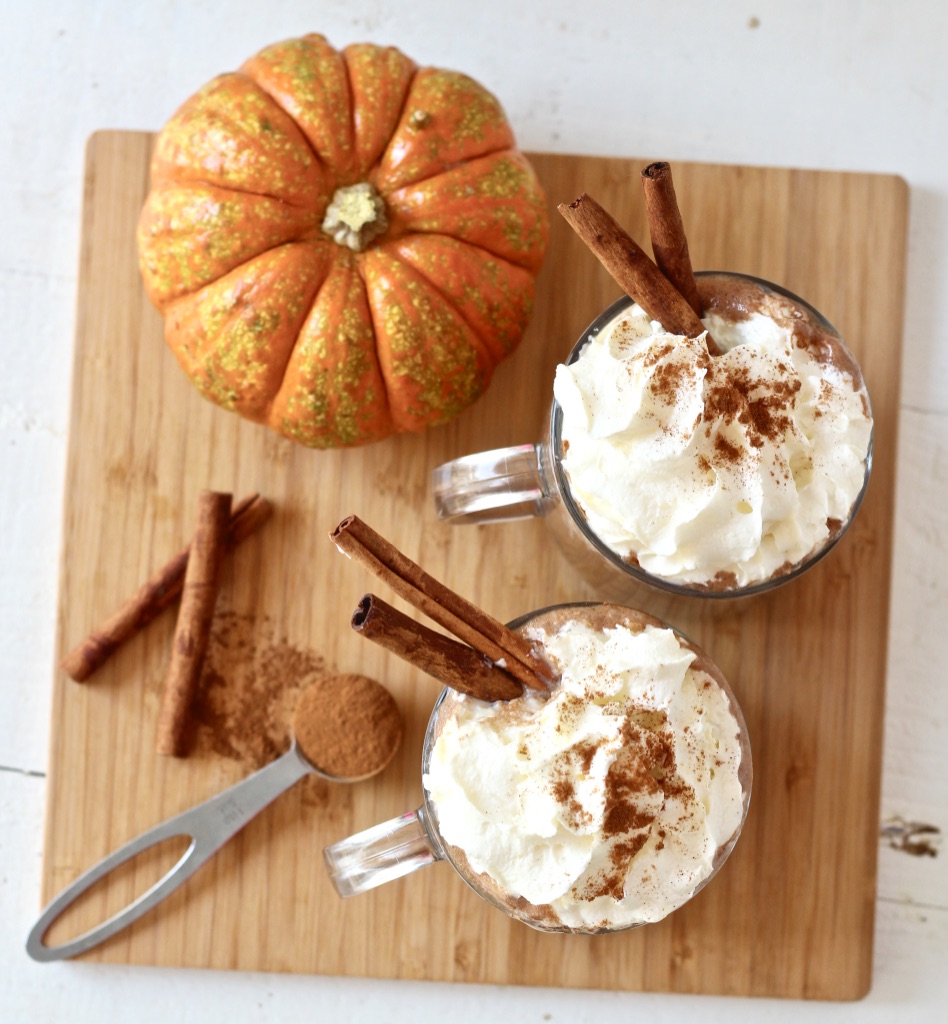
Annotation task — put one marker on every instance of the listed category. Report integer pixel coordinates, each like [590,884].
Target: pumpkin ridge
[383,192]
[371,172]
[309,145]
[377,324]
[413,182]
[358,262]
[431,398]
[402,168]
[350,267]
[512,197]
[342,178]
[219,222]
[314,297]
[490,346]
[401,114]
[284,369]
[198,315]
[303,207]
[169,178]
[310,234]
[323,163]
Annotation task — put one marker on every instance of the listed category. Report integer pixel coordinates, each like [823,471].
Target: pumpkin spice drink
[599,790]
[609,804]
[716,446]
[603,804]
[716,472]
[722,455]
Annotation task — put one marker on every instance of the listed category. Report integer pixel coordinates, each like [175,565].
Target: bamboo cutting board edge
[113,154]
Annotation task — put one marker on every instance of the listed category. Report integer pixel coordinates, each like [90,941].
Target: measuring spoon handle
[208,825]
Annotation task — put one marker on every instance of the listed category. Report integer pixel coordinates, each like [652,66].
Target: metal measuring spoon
[369,706]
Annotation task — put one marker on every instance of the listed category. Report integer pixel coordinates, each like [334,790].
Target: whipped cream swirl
[606,804]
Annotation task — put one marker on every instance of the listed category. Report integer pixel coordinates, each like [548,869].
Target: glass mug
[404,844]
[529,480]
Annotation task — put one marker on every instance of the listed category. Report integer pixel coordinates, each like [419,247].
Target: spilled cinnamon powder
[250,686]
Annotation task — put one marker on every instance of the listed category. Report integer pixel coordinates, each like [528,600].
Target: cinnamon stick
[198,597]
[155,595]
[667,231]
[631,267]
[452,663]
[466,621]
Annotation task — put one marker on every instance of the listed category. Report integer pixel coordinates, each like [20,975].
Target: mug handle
[492,487]
[382,853]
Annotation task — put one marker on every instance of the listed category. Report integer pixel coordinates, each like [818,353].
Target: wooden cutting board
[792,912]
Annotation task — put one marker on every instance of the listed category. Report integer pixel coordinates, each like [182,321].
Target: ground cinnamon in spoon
[348,726]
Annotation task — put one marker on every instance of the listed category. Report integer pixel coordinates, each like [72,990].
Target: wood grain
[792,912]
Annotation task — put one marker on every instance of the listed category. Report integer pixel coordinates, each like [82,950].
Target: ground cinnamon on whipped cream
[724,471]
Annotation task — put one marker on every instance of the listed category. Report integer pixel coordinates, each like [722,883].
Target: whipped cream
[715,471]
[604,804]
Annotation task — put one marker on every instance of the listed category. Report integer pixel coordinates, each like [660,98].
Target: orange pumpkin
[343,245]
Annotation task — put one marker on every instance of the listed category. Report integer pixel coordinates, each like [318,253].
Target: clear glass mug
[530,480]
[402,845]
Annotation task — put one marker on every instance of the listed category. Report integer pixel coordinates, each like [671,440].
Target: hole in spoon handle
[208,826]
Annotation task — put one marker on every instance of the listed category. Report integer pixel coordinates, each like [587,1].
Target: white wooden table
[836,85]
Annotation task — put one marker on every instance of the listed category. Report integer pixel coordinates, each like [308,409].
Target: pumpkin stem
[355,216]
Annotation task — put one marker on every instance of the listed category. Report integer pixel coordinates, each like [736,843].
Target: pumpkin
[343,245]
